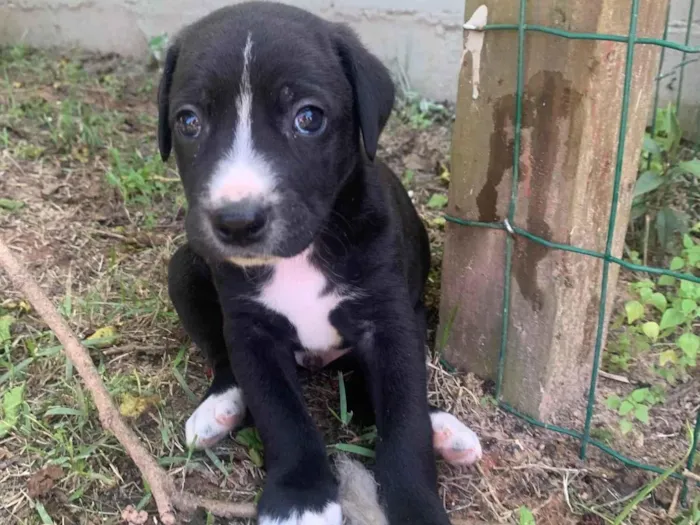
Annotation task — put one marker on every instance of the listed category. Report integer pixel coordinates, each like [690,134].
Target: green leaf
[249,437]
[688,242]
[662,232]
[217,462]
[635,310]
[668,222]
[650,146]
[640,394]
[354,449]
[677,263]
[641,412]
[691,166]
[658,300]
[688,306]
[668,356]
[43,515]
[104,336]
[689,290]
[11,205]
[11,404]
[62,411]
[625,426]
[437,201]
[643,284]
[613,402]
[647,182]
[6,322]
[343,399]
[526,517]
[672,128]
[651,330]
[689,343]
[639,209]
[625,408]
[693,254]
[134,405]
[666,280]
[645,294]
[255,457]
[672,318]
[77,494]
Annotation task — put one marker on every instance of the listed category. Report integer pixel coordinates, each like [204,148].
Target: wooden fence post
[571,114]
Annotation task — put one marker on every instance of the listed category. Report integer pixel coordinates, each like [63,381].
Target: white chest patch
[296,291]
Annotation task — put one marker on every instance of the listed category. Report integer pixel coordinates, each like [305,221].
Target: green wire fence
[508,225]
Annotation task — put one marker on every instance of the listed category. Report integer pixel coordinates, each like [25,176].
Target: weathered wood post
[570,120]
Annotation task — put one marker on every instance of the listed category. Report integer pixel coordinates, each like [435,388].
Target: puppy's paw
[453,440]
[328,515]
[215,418]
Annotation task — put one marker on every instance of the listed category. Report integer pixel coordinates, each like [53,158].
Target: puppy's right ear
[373,89]
[165,140]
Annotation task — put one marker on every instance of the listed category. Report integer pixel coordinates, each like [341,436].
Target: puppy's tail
[359,497]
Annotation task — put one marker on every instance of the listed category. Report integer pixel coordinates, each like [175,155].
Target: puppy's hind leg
[195,299]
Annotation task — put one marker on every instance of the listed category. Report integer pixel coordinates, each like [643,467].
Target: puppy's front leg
[391,349]
[300,488]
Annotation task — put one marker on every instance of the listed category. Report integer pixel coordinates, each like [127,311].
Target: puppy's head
[268,109]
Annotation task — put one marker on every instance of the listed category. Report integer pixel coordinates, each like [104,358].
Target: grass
[87,202]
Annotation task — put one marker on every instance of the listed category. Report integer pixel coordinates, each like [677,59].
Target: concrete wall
[690,101]
[421,39]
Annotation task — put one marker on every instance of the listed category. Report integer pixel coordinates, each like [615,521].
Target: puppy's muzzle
[241,223]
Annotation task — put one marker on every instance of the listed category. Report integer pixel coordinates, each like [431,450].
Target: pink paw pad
[454,441]
[214,418]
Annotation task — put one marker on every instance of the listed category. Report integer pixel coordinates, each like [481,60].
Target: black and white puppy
[302,248]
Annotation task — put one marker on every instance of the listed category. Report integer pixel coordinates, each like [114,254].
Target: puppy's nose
[239,223]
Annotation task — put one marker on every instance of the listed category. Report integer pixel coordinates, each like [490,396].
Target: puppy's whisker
[342,217]
[343,244]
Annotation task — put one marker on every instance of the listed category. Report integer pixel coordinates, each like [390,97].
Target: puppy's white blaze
[238,178]
[243,172]
[295,291]
[330,515]
[214,418]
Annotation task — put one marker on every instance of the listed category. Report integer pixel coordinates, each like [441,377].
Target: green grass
[56,108]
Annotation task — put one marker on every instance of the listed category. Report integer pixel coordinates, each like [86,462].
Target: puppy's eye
[188,124]
[310,121]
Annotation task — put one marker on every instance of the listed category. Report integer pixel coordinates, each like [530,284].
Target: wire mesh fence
[512,230]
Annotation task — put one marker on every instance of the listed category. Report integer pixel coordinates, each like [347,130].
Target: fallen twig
[674,502]
[541,467]
[614,377]
[691,475]
[166,496]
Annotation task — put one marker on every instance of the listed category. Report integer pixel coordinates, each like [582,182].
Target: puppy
[301,248]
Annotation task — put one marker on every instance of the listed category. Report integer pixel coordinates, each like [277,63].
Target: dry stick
[674,502]
[166,496]
[691,475]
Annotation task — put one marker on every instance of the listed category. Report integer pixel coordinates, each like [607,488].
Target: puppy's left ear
[373,89]
[165,140]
